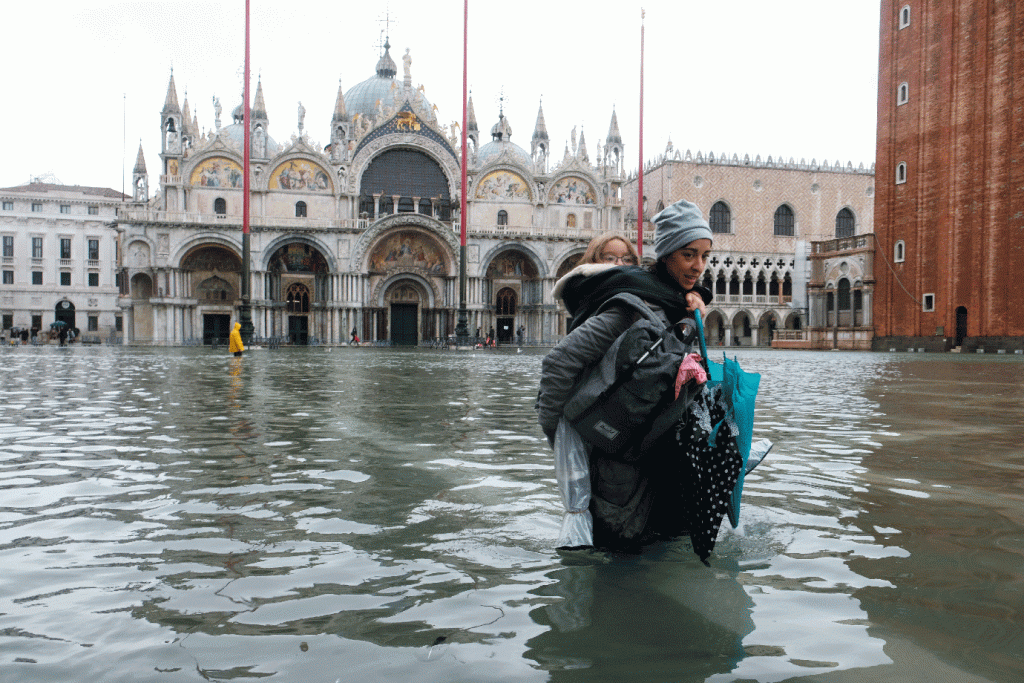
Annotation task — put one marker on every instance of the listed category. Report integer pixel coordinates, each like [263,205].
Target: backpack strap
[634,302]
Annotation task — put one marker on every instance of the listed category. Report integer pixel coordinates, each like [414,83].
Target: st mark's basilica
[362,233]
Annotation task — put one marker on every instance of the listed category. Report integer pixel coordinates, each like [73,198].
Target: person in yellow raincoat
[235,345]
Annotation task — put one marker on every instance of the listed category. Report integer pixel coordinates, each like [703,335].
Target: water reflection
[390,515]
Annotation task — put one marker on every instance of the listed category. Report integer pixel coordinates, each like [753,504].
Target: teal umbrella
[740,390]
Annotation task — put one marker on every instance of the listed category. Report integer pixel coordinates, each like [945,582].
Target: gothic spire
[471,126]
[140,162]
[259,106]
[171,101]
[339,106]
[540,130]
[614,137]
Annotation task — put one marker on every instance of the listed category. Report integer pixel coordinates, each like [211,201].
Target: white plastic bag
[572,469]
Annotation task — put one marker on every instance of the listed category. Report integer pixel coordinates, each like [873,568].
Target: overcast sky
[85,81]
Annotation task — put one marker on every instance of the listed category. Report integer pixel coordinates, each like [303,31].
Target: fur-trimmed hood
[584,269]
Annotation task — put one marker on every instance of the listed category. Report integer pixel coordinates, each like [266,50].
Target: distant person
[355,338]
[62,336]
[235,345]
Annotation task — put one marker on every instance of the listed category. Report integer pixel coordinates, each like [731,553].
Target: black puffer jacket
[622,495]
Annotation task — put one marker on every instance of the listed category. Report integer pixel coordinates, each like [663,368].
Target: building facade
[361,233]
[58,262]
[949,211]
[784,271]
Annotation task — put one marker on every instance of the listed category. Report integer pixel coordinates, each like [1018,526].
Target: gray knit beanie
[676,226]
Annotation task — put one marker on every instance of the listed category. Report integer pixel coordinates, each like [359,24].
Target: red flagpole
[640,183]
[462,326]
[245,119]
[245,310]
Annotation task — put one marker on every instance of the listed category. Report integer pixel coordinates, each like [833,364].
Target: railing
[357,224]
[289,222]
[843,244]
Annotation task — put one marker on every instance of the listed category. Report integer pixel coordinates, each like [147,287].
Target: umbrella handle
[700,334]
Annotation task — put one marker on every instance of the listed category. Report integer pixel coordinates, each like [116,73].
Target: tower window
[901,173]
[220,207]
[903,94]
[300,209]
[899,252]
[905,17]
[928,303]
[785,222]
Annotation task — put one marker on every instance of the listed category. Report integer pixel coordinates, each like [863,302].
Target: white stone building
[59,253]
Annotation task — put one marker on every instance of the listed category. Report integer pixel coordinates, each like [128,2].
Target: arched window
[720,218]
[734,285]
[297,298]
[843,295]
[503,217]
[748,284]
[760,287]
[844,224]
[300,209]
[901,173]
[720,286]
[220,207]
[506,302]
[905,17]
[570,220]
[899,252]
[903,94]
[785,222]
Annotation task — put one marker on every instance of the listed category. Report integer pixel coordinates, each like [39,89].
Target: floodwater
[389,515]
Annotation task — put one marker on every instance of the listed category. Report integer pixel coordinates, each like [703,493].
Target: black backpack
[626,401]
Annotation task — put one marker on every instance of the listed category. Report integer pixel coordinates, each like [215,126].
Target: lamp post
[462,328]
[245,310]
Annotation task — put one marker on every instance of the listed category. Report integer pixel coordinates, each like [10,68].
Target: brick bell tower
[949,205]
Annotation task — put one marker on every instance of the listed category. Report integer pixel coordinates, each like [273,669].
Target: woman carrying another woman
[637,501]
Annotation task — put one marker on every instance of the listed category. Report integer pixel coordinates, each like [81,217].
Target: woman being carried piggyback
[633,500]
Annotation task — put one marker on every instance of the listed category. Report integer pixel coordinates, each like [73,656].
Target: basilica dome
[501,134]
[362,98]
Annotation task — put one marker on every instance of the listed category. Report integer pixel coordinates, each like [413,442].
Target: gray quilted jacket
[567,362]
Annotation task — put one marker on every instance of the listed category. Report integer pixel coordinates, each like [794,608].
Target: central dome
[362,98]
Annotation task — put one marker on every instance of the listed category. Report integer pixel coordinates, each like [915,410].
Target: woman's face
[616,252]
[687,264]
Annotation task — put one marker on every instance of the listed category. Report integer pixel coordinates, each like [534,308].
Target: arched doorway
[64,312]
[404,300]
[714,329]
[514,288]
[506,311]
[297,277]
[297,307]
[215,275]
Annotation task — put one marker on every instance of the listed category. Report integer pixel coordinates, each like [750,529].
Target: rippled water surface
[389,515]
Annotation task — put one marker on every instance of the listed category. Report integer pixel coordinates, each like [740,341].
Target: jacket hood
[584,269]
[238,326]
